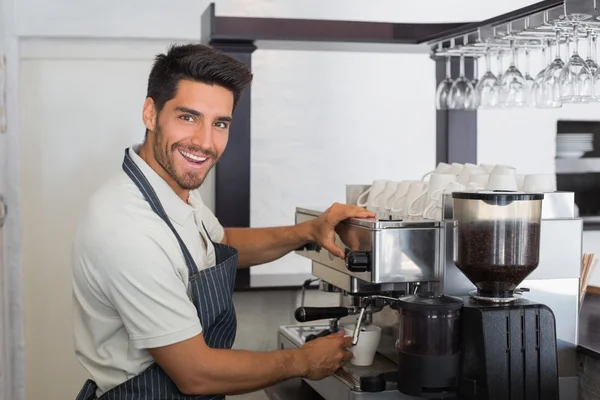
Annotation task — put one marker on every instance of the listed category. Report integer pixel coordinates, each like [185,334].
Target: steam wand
[365,304]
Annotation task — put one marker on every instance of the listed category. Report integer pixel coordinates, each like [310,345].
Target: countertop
[589,326]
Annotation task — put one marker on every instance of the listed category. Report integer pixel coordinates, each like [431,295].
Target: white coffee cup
[415,199]
[520,180]
[479,179]
[469,170]
[487,167]
[368,340]
[475,187]
[502,182]
[397,203]
[503,170]
[543,183]
[370,198]
[390,190]
[455,169]
[439,169]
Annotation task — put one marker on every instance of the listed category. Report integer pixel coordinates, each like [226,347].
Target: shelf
[577,165]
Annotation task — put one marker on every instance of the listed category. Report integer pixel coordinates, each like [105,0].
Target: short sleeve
[210,221]
[141,283]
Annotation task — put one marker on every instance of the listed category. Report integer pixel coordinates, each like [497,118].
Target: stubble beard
[164,156]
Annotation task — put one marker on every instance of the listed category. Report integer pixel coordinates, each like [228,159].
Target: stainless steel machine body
[405,255]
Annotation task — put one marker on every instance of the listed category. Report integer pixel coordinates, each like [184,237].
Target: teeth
[193,157]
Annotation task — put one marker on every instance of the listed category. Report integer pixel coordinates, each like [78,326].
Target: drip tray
[350,374]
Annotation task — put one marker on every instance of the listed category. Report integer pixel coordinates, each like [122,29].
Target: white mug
[368,341]
[487,167]
[455,169]
[502,182]
[439,169]
[520,180]
[397,203]
[469,170]
[369,199]
[437,184]
[415,199]
[390,190]
[479,179]
[539,183]
[504,170]
[434,209]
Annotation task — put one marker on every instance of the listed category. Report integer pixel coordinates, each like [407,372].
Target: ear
[149,114]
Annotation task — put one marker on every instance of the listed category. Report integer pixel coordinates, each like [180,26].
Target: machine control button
[357,261]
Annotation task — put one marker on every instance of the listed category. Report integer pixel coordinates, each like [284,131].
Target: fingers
[333,249]
[347,341]
[348,355]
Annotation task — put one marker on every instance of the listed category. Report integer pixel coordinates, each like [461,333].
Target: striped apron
[211,293]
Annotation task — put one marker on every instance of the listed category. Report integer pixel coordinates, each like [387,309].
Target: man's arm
[197,369]
[262,245]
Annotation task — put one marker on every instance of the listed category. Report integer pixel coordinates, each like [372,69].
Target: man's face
[190,132]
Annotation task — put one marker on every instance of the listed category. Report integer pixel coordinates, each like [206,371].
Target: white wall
[81,103]
[12,382]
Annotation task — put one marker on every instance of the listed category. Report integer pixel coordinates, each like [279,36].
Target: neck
[147,155]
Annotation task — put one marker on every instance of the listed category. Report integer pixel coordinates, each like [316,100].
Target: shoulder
[119,222]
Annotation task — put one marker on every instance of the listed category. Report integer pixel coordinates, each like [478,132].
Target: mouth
[195,160]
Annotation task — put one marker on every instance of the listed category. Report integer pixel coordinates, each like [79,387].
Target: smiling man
[154,270]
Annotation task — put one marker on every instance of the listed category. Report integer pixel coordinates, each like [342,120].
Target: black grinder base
[508,351]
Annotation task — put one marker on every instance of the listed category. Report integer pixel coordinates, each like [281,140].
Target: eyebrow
[224,118]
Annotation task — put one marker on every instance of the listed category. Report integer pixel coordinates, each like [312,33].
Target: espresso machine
[482,304]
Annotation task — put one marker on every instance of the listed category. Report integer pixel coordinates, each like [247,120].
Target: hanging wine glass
[552,74]
[543,97]
[461,92]
[475,94]
[488,87]
[575,80]
[591,54]
[513,83]
[529,81]
[443,89]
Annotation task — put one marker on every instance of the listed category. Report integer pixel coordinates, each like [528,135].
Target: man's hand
[325,355]
[323,227]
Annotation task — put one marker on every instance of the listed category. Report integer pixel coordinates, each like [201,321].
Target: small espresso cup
[368,341]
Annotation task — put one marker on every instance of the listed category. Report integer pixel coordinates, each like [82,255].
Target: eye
[221,124]
[187,117]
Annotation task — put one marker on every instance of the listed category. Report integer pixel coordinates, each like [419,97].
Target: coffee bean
[497,255]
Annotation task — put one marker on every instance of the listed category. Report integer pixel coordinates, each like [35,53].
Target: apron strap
[136,175]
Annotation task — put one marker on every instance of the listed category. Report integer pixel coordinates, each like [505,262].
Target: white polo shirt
[130,280]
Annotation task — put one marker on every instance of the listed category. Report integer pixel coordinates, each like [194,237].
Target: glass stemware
[513,83]
[443,89]
[543,97]
[461,92]
[475,96]
[591,56]
[488,87]
[552,75]
[529,81]
[575,80]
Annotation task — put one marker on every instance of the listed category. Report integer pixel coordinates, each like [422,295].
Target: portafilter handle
[306,314]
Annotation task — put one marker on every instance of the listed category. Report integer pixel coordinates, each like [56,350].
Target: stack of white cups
[424,198]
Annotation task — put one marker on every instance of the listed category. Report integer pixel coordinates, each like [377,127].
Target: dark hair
[198,63]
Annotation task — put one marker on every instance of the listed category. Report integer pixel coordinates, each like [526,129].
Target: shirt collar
[175,208]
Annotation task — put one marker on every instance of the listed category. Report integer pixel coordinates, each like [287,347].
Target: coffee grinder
[492,344]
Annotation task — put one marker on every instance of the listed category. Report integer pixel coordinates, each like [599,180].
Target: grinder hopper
[497,239]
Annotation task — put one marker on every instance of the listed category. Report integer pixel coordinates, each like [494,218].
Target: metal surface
[398,251]
[530,23]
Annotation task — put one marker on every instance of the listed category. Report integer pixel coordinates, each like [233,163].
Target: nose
[203,136]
